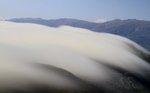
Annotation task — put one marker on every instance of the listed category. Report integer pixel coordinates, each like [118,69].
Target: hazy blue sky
[80,9]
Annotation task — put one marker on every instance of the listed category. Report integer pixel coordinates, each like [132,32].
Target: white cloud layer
[75,50]
[100,20]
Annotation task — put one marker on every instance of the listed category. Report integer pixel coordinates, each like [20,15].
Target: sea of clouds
[67,58]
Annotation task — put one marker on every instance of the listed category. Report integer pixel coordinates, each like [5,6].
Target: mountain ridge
[136,30]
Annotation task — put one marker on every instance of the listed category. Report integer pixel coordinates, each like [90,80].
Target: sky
[90,10]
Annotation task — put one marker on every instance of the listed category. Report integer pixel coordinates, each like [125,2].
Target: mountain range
[136,30]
